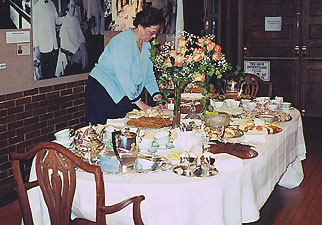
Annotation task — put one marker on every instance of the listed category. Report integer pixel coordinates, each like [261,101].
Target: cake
[190,99]
[235,149]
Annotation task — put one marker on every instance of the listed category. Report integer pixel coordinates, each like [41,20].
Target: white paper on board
[17,37]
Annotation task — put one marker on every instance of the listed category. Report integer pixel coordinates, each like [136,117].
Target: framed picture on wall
[15,14]
[119,14]
[68,36]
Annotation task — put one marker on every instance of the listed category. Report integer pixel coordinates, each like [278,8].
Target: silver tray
[195,171]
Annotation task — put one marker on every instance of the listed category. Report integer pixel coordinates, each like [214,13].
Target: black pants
[95,49]
[99,106]
[48,63]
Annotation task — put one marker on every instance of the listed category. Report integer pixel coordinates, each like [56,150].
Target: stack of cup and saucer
[63,137]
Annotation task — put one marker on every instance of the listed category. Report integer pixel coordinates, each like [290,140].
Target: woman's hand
[142,105]
[162,103]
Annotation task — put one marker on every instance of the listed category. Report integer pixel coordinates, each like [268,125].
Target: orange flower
[181,42]
[179,59]
[189,59]
[218,49]
[173,53]
[207,40]
[167,62]
[200,77]
[200,42]
[198,54]
[216,56]
[183,50]
[210,46]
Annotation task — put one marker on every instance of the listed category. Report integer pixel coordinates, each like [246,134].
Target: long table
[232,197]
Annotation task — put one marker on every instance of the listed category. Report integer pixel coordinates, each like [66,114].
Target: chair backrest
[56,176]
[253,84]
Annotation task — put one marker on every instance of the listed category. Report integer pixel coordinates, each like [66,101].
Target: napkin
[256,136]
[116,122]
[109,164]
[226,162]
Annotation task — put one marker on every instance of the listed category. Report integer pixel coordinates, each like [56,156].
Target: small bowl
[268,118]
[216,120]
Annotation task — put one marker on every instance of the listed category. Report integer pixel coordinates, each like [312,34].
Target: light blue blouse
[123,70]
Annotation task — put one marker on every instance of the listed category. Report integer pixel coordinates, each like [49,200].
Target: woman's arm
[142,105]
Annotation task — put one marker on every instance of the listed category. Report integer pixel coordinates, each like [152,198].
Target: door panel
[283,79]
[311,69]
[276,47]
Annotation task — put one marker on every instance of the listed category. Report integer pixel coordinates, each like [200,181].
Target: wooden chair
[56,176]
[252,84]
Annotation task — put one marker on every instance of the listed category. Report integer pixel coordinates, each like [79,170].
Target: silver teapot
[125,148]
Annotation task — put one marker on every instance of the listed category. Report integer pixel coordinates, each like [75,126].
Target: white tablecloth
[234,196]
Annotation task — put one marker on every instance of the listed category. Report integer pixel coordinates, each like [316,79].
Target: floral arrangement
[193,59]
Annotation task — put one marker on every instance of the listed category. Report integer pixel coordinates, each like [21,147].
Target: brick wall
[33,116]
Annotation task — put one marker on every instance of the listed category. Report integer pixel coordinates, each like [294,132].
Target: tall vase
[177,102]
[207,87]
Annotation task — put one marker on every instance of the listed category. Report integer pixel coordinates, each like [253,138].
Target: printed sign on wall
[273,23]
[259,68]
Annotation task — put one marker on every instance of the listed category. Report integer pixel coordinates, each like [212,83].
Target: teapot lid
[127,133]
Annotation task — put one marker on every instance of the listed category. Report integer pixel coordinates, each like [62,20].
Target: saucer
[169,145]
[154,144]
[153,149]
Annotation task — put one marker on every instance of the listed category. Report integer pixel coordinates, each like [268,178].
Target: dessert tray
[269,128]
[195,171]
[135,113]
[150,122]
[280,115]
[150,118]
[228,133]
[145,163]
[236,149]
[192,164]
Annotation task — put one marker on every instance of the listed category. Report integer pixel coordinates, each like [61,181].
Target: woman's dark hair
[148,17]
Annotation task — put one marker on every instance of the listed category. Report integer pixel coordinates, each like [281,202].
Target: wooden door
[311,54]
[278,47]
[295,52]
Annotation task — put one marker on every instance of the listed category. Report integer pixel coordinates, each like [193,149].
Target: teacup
[162,138]
[261,102]
[279,99]
[218,104]
[251,106]
[62,134]
[286,105]
[145,144]
[235,104]
[229,102]
[272,107]
[262,99]
[162,142]
[170,106]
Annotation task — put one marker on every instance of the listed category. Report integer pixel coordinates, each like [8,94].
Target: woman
[123,70]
